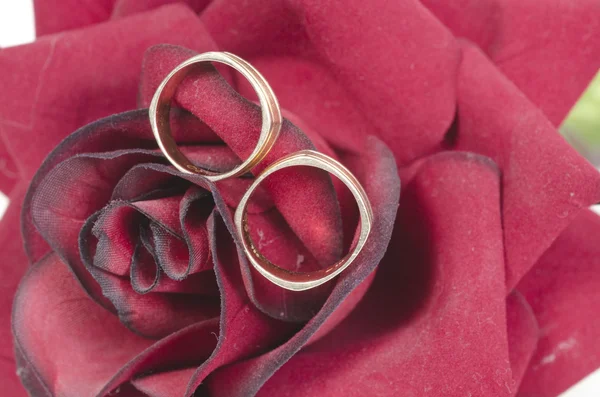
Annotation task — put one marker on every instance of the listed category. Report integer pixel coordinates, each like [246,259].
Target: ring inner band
[160,107]
[296,281]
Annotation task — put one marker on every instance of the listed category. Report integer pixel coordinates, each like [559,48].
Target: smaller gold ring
[296,281]
[161,106]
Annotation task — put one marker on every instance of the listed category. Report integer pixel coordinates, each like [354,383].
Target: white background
[17,27]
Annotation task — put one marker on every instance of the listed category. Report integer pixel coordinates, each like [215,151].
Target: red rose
[489,285]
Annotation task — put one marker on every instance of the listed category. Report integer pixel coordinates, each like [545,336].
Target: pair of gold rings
[271,124]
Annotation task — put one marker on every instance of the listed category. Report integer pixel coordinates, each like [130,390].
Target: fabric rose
[131,283]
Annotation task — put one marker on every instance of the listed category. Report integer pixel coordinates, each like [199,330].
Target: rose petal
[386,80]
[162,211]
[545,48]
[116,229]
[14,265]
[188,347]
[164,384]
[244,330]
[190,254]
[144,271]
[545,183]
[382,187]
[68,82]
[563,291]
[311,91]
[53,16]
[50,297]
[438,296]
[133,131]
[155,315]
[60,205]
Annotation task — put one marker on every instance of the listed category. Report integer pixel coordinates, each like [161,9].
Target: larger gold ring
[161,105]
[296,281]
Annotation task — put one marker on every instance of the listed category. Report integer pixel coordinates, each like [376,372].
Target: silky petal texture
[541,193]
[563,289]
[437,297]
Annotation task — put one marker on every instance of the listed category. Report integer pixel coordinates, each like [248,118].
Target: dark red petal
[144,273]
[163,211]
[381,183]
[165,384]
[125,243]
[186,253]
[117,232]
[189,347]
[130,130]
[523,333]
[194,210]
[563,289]
[244,330]
[155,314]
[207,95]
[545,183]
[545,48]
[50,297]
[201,283]
[172,252]
[69,195]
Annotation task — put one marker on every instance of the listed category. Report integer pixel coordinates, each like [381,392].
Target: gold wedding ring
[271,124]
[295,281]
[160,107]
